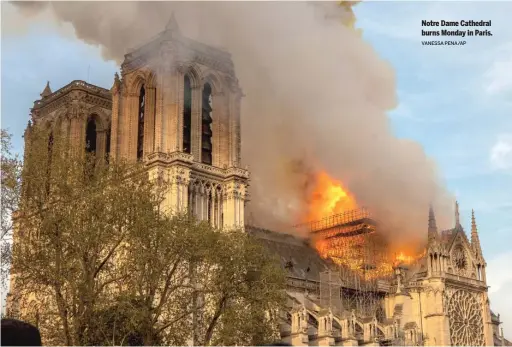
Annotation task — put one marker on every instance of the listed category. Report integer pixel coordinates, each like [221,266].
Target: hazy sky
[455,101]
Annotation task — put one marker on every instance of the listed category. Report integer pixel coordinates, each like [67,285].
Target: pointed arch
[151,80]
[137,82]
[214,80]
[102,119]
[194,73]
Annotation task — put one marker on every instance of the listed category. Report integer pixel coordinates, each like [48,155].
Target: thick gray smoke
[316,93]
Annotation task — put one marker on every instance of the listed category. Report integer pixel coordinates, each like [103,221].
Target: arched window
[206,125]
[90,136]
[140,128]
[187,115]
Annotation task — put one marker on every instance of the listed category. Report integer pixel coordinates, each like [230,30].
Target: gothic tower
[457,301]
[177,108]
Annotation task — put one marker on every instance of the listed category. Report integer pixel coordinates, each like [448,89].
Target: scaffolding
[363,267]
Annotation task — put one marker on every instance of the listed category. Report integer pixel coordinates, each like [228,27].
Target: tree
[204,285]
[75,216]
[95,260]
[10,192]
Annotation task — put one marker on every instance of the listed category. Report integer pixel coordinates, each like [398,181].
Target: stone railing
[77,84]
[471,281]
[189,159]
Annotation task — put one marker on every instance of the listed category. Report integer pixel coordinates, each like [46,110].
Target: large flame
[329,197]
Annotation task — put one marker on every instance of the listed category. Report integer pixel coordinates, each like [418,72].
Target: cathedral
[176,107]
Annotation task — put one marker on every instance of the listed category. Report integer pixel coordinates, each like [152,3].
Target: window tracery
[466,321]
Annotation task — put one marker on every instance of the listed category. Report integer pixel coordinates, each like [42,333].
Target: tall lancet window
[90,136]
[206,122]
[140,128]
[187,115]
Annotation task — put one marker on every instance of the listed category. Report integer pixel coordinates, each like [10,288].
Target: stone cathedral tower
[177,108]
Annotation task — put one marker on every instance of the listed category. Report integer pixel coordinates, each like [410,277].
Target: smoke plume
[316,94]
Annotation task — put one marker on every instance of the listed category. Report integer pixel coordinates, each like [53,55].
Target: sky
[455,101]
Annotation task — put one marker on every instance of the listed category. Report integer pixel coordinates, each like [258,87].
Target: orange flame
[329,197]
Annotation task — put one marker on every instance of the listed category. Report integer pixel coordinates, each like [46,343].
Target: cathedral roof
[297,256]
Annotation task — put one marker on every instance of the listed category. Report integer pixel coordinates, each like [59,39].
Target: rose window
[466,321]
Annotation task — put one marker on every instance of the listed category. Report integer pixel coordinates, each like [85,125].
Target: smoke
[316,94]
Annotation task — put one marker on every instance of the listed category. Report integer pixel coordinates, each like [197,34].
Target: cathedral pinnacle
[475,241]
[457,215]
[47,91]
[172,24]
[432,227]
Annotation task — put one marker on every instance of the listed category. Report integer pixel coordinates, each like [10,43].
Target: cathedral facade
[176,107]
[439,299]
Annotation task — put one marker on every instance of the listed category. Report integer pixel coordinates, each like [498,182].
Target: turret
[434,249]
[477,249]
[475,241]
[457,216]
[432,226]
[47,91]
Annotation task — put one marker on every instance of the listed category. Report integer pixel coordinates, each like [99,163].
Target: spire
[432,227]
[457,216]
[172,24]
[47,91]
[475,241]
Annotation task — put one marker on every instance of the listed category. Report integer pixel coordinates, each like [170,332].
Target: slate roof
[297,256]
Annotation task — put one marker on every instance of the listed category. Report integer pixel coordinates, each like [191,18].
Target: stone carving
[460,260]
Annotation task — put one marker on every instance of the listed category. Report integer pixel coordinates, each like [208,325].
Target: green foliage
[98,263]
[10,193]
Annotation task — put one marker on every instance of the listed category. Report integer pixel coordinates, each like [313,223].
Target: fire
[402,258]
[329,197]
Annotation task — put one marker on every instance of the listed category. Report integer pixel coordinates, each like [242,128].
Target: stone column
[220,128]
[325,330]
[172,110]
[101,143]
[114,136]
[299,333]
[159,99]
[179,178]
[149,121]
[488,331]
[125,126]
[236,132]
[133,125]
[234,205]
[348,333]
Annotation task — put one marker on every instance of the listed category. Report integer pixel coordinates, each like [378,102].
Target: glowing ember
[329,197]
